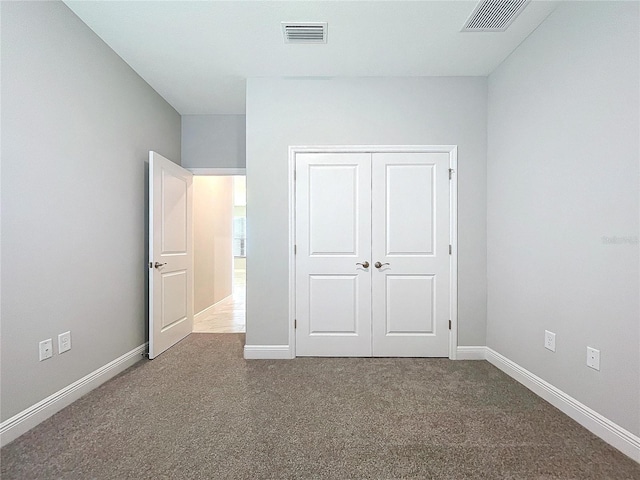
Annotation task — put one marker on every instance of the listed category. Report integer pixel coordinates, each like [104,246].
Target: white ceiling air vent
[304,32]
[494,15]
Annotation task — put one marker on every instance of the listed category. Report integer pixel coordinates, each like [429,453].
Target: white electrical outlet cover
[593,358]
[550,340]
[64,342]
[46,349]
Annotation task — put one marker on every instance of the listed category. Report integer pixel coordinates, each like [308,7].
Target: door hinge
[450,173]
[449,324]
[450,249]
[295,175]
[295,249]
[295,323]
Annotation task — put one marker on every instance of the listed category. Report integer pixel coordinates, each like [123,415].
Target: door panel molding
[452,152]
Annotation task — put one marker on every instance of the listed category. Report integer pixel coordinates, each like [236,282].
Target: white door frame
[209,171]
[452,150]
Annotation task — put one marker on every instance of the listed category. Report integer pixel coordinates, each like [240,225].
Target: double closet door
[372,254]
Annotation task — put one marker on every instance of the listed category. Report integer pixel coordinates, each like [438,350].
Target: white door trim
[453,261]
[217,171]
[452,150]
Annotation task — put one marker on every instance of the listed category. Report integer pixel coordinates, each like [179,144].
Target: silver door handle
[158,264]
[365,264]
[380,265]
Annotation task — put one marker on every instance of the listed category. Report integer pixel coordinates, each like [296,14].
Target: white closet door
[411,241]
[333,235]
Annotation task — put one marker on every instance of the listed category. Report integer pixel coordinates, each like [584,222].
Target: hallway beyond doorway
[228,315]
[220,273]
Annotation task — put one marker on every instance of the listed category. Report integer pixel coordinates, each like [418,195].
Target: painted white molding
[292,255]
[204,311]
[453,258]
[267,352]
[24,421]
[372,148]
[452,150]
[471,353]
[610,432]
[217,171]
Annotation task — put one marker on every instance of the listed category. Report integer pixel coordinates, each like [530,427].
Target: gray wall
[563,165]
[358,111]
[77,125]
[214,141]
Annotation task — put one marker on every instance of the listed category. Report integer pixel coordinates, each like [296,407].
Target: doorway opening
[219,231]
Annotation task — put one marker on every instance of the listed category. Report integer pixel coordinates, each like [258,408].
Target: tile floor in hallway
[228,315]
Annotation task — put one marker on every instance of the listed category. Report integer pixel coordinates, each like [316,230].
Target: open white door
[170,254]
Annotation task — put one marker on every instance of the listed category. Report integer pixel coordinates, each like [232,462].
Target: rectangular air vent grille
[494,15]
[304,32]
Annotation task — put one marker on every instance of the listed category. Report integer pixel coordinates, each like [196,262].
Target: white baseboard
[24,421]
[267,352]
[471,353]
[610,432]
[205,311]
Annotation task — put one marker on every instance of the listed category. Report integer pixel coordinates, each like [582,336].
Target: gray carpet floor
[199,411]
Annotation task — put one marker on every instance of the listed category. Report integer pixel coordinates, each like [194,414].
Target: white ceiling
[198,54]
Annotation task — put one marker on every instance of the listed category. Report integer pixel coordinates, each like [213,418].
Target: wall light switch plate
[64,342]
[593,358]
[550,340]
[46,349]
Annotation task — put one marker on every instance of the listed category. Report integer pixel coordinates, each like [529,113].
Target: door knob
[158,264]
[365,264]
[380,265]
